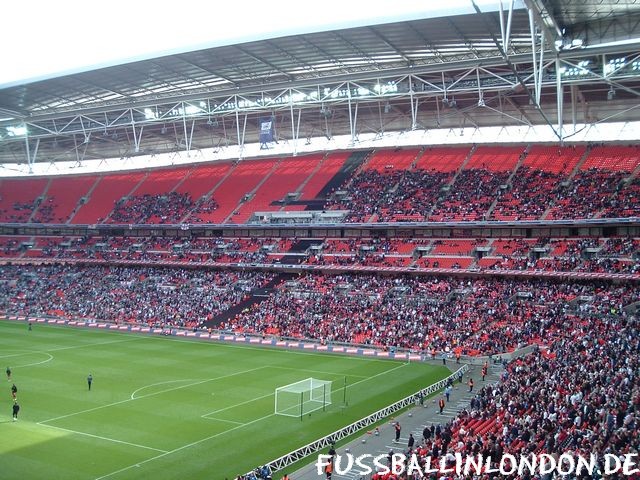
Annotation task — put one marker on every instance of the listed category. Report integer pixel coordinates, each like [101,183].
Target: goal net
[303,397]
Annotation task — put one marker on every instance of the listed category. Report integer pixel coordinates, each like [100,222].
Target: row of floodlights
[612,66]
[295,97]
[580,70]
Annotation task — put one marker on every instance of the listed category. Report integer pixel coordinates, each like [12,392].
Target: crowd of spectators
[203,208]
[45,211]
[20,212]
[602,255]
[480,316]
[168,208]
[396,195]
[527,197]
[150,296]
[625,202]
[470,196]
[579,397]
[588,195]
[224,250]
[479,194]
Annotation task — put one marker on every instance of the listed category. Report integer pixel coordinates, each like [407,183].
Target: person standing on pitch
[16,409]
[8,370]
[89,381]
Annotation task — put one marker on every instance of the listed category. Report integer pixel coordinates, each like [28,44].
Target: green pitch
[169,408]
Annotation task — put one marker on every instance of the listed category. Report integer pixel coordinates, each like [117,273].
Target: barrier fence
[328,440]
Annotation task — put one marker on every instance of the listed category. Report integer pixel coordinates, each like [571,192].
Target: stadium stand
[104,195]
[20,198]
[434,184]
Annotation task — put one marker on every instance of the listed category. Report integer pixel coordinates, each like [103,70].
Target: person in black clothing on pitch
[89,380]
[16,409]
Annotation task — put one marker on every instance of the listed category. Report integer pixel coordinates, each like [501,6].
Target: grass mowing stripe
[221,343]
[103,438]
[29,364]
[318,371]
[364,379]
[227,421]
[95,344]
[206,415]
[151,394]
[262,348]
[372,377]
[231,429]
[133,395]
[192,444]
[171,421]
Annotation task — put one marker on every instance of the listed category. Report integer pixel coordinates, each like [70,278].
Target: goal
[303,397]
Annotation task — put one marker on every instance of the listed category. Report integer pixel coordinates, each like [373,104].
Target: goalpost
[306,396]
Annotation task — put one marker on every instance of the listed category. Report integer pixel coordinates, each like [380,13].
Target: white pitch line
[319,371]
[373,376]
[291,350]
[46,352]
[150,394]
[102,438]
[24,352]
[206,415]
[133,395]
[91,345]
[183,447]
[36,363]
[223,420]
[222,433]
[29,352]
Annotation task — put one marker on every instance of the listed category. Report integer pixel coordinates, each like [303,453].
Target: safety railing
[313,447]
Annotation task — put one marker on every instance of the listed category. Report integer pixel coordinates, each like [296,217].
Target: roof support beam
[505,30]
[517,74]
[468,44]
[199,67]
[427,42]
[390,45]
[263,61]
[537,69]
[559,101]
[546,22]
[357,49]
[324,53]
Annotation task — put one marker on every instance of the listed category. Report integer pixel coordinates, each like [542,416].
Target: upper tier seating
[18,198]
[401,185]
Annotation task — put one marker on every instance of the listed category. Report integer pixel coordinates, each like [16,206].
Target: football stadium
[410,237]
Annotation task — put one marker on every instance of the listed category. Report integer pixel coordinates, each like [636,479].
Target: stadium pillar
[31,158]
[414,105]
[559,98]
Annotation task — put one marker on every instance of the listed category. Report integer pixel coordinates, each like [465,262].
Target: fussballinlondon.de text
[398,464]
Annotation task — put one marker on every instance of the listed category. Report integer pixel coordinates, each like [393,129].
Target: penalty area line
[151,394]
[179,449]
[226,421]
[107,439]
[335,374]
[206,415]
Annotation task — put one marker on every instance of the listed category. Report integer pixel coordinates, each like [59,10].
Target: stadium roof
[493,64]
